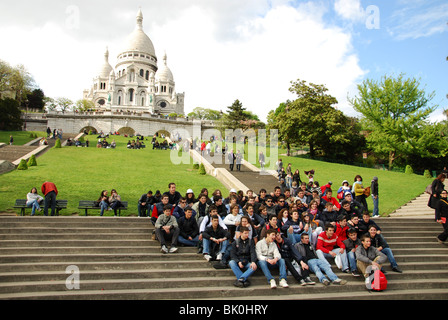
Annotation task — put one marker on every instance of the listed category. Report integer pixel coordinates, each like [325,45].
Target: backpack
[376,281]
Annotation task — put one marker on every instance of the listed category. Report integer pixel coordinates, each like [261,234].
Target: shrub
[22,165]
[32,161]
[427,174]
[196,166]
[409,170]
[202,169]
[58,143]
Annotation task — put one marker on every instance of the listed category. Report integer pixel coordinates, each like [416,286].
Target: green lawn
[20,137]
[81,174]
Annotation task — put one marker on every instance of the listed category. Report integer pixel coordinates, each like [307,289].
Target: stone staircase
[416,208]
[118,260]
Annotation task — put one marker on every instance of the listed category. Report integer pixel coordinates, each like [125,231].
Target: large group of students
[294,232]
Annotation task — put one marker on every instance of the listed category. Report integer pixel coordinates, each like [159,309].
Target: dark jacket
[307,251]
[243,251]
[378,241]
[436,188]
[219,233]
[188,227]
[364,227]
[173,198]
[350,244]
[327,217]
[442,209]
[288,250]
[148,200]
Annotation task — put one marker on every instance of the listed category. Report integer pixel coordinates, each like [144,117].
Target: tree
[394,113]
[84,105]
[36,99]
[10,115]
[311,119]
[205,114]
[235,115]
[15,82]
[64,104]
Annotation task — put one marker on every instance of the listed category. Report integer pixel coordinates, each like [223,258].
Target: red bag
[376,281]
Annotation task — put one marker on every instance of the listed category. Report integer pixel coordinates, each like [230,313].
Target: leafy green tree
[15,82]
[394,113]
[10,115]
[36,99]
[312,120]
[64,104]
[205,114]
[84,105]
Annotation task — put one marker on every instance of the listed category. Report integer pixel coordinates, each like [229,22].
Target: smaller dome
[106,68]
[164,73]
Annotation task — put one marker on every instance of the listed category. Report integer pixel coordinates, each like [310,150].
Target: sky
[223,50]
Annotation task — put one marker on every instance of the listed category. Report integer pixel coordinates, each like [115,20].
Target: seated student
[311,228]
[103,202]
[316,265]
[367,255]
[243,257]
[276,194]
[263,213]
[261,196]
[269,257]
[232,220]
[207,220]
[351,243]
[270,206]
[289,198]
[366,222]
[233,200]
[159,208]
[201,207]
[281,204]
[282,218]
[272,224]
[145,203]
[303,199]
[172,194]
[190,197]
[188,229]
[215,240]
[356,206]
[353,223]
[256,205]
[290,253]
[247,223]
[166,228]
[314,212]
[257,221]
[330,246]
[179,209]
[33,200]
[347,210]
[222,210]
[329,215]
[328,197]
[341,228]
[294,228]
[378,242]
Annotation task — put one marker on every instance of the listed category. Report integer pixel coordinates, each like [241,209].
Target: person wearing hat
[374,192]
[189,196]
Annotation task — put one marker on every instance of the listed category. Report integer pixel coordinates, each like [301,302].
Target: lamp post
[27,102]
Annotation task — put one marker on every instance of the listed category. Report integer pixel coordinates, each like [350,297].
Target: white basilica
[136,84]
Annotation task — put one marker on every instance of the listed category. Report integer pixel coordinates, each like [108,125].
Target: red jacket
[326,245]
[333,200]
[48,187]
[341,232]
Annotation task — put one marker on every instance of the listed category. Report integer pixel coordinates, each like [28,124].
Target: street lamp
[27,102]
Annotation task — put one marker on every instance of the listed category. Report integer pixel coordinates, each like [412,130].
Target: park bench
[93,205]
[21,204]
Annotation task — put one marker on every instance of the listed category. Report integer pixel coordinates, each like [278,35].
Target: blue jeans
[206,246]
[294,237]
[375,206]
[351,257]
[34,205]
[143,209]
[189,243]
[390,256]
[321,255]
[103,205]
[318,267]
[248,271]
[265,266]
[50,202]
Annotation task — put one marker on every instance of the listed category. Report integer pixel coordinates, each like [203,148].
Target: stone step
[223,291]
[83,231]
[86,250]
[76,236]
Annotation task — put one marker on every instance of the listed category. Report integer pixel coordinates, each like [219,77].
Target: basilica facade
[137,83]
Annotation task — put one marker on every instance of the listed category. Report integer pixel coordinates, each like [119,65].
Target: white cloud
[254,60]
[350,10]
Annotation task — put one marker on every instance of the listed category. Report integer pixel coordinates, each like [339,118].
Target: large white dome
[138,40]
